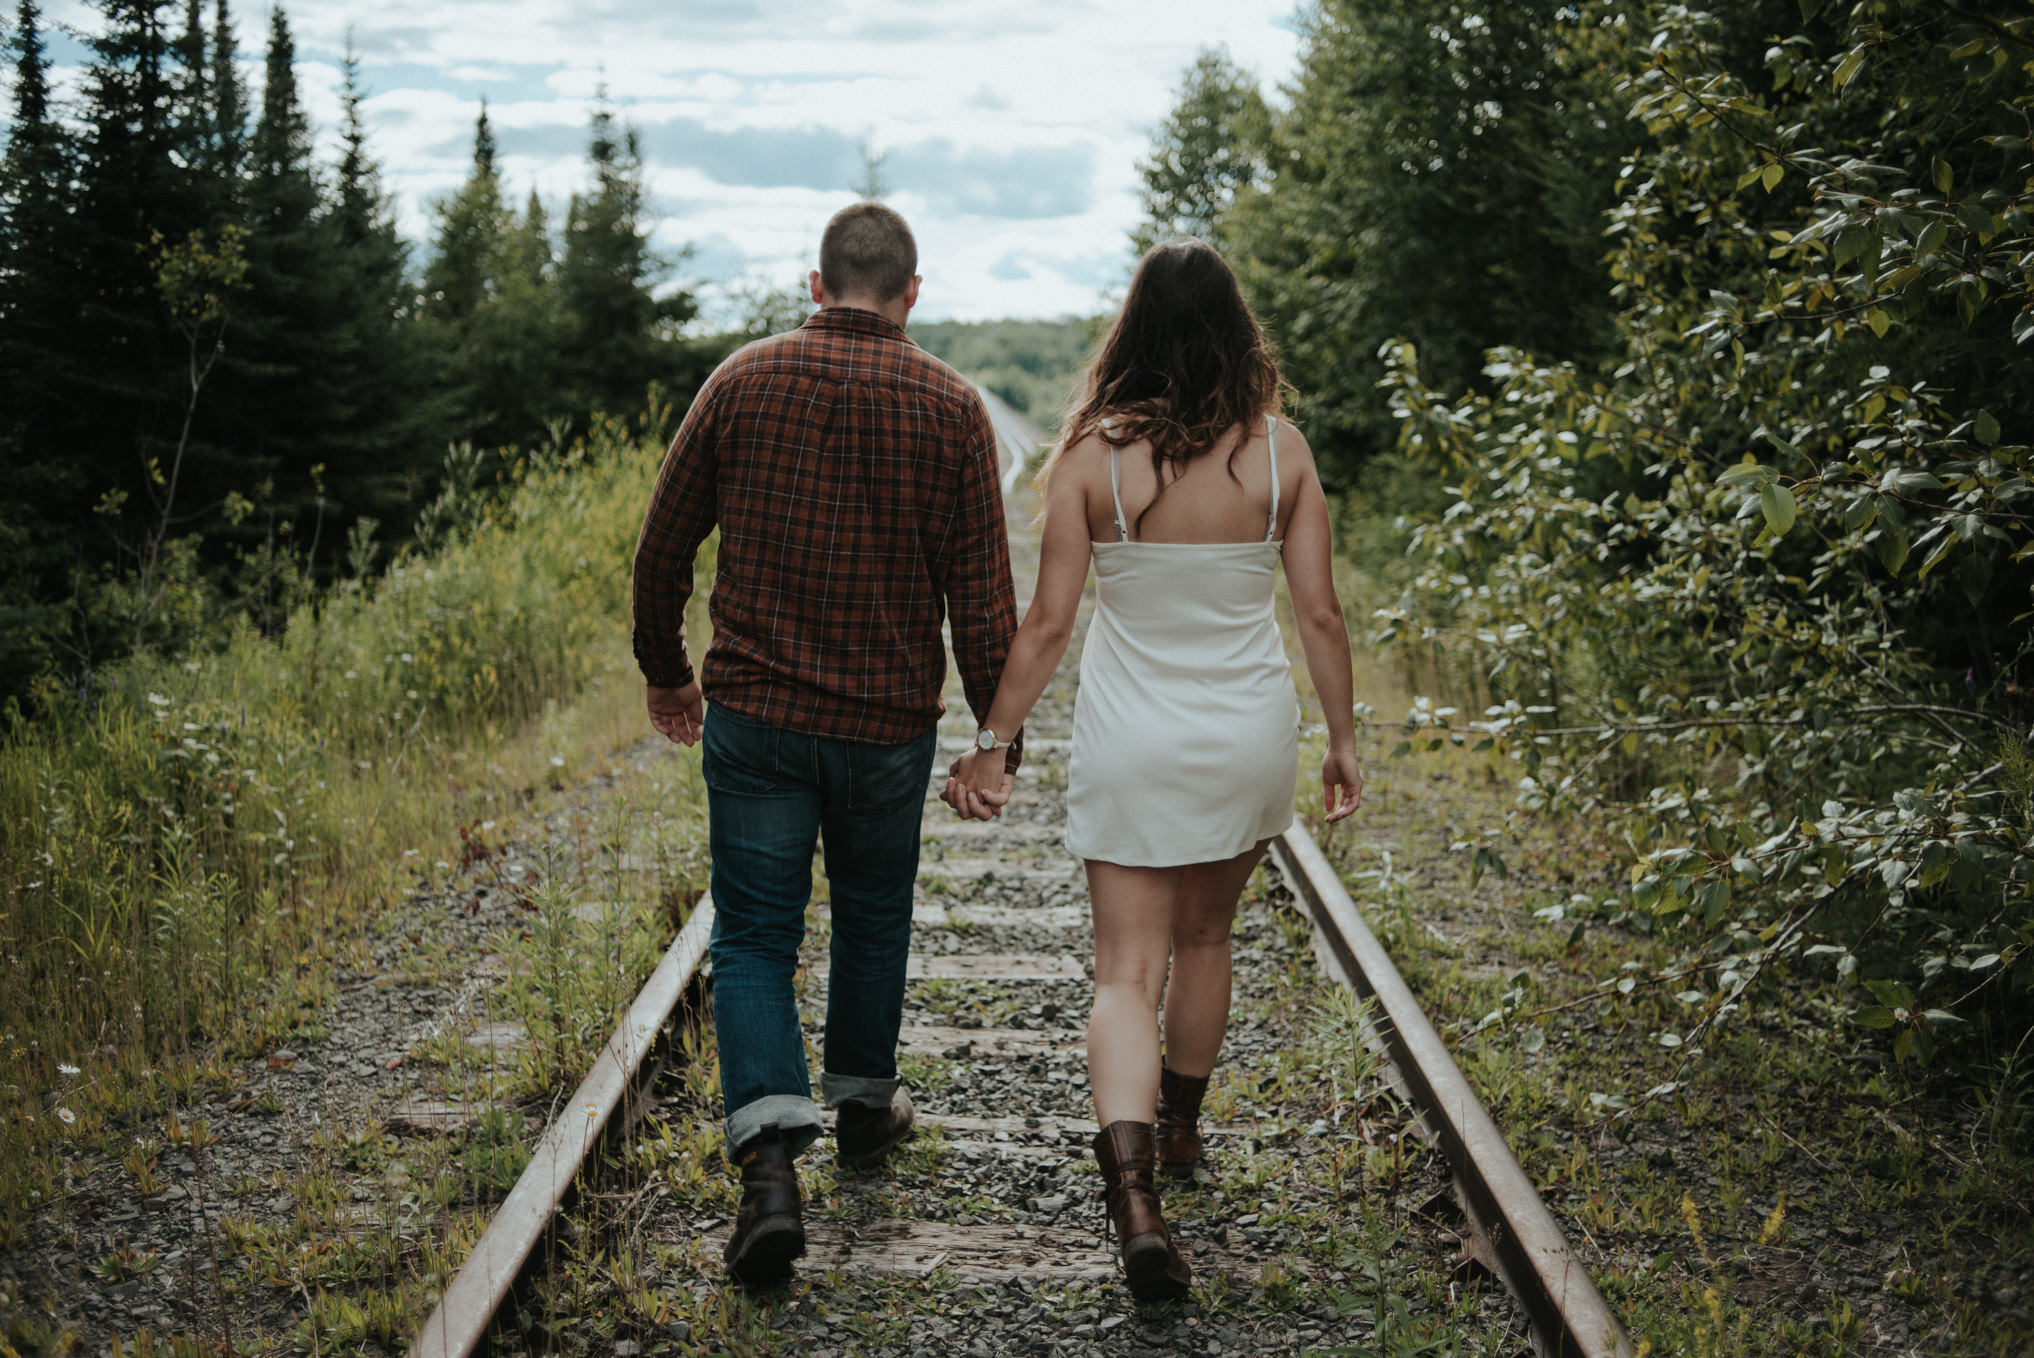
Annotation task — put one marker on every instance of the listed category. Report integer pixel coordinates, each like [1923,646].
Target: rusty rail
[1568,1315]
[623,1071]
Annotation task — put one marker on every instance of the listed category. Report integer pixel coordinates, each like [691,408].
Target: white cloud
[1011,133]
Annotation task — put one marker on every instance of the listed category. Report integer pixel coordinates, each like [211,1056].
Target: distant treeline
[1033,365]
[227,376]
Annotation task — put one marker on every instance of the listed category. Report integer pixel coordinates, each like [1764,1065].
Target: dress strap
[1116,493]
[1271,443]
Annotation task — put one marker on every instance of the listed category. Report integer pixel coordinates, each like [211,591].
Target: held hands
[677,713]
[1341,784]
[977,788]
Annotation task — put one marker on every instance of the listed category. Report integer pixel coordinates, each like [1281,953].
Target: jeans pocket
[882,777]
[739,756]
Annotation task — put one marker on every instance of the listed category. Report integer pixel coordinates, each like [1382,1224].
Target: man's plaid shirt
[853,478]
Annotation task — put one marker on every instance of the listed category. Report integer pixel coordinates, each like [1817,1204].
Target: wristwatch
[985,740]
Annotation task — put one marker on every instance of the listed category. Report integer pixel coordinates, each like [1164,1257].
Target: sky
[1009,133]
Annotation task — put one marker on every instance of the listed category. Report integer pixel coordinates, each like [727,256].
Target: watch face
[985,740]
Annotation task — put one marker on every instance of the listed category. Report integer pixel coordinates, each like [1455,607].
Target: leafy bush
[1763,588]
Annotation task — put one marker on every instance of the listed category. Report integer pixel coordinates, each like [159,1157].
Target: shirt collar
[855,320]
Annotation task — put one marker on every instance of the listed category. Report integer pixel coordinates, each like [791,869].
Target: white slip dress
[1186,726]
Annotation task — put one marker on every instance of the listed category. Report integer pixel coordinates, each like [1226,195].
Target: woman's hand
[977,785]
[1341,784]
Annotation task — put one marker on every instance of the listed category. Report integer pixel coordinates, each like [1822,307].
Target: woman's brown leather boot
[1179,1120]
[1151,1262]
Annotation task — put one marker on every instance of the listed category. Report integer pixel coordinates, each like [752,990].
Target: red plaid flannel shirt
[853,478]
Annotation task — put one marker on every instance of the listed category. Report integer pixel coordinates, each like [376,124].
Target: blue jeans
[772,795]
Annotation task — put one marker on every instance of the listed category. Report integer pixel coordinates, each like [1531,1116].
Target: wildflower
[66,1116]
[408,659]
[590,1110]
[557,761]
[66,1068]
[157,700]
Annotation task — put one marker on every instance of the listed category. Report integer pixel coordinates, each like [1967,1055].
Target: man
[853,479]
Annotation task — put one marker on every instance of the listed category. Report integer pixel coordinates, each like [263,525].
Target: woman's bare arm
[1048,623]
[1324,637]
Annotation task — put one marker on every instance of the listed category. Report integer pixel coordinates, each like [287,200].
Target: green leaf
[1893,547]
[1748,473]
[1877,1016]
[1846,70]
[1987,428]
[1944,177]
[1974,577]
[1877,319]
[1891,993]
[1772,175]
[1776,502]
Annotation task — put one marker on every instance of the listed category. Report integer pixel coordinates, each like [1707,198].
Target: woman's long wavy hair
[1185,363]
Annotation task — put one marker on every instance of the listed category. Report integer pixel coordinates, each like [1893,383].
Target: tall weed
[185,851]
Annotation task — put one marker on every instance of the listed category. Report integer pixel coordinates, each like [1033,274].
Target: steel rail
[1569,1317]
[459,1327]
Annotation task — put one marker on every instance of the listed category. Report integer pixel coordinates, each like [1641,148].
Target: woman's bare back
[1223,495]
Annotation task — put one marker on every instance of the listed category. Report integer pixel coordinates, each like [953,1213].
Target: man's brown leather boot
[1151,1262]
[864,1137]
[769,1229]
[1179,1120]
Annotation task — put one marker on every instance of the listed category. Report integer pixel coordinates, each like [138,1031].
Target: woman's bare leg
[1133,913]
[1197,1001]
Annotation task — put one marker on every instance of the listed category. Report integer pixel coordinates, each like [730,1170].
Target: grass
[190,853]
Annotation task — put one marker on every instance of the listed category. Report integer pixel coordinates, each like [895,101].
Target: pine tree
[390,417]
[35,288]
[607,277]
[466,256]
[229,98]
[278,399]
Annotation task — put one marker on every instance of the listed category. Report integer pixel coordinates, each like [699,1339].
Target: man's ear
[818,293]
[911,292]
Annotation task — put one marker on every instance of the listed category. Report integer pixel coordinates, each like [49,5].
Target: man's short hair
[867,251]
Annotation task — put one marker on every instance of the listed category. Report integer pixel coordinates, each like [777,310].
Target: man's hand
[977,788]
[678,713]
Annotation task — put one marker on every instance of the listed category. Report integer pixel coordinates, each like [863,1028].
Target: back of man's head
[867,252]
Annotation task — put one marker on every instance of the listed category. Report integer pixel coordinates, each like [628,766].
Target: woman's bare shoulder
[1294,452]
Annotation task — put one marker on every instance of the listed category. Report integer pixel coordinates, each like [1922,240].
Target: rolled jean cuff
[865,1090]
[796,1116]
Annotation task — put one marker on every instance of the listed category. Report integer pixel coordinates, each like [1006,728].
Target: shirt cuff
[664,672]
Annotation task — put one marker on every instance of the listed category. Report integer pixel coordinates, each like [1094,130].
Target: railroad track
[1356,1190]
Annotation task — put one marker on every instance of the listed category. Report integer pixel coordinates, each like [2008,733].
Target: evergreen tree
[121,376]
[229,98]
[467,251]
[35,287]
[391,417]
[279,401]
[606,279]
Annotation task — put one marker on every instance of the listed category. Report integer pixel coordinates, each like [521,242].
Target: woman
[1177,479]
